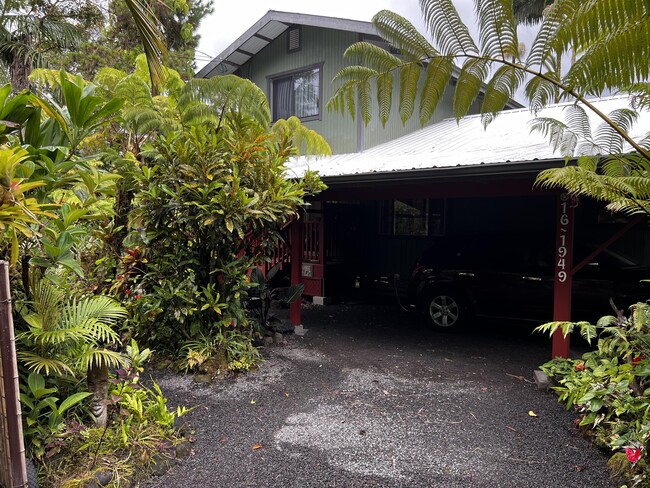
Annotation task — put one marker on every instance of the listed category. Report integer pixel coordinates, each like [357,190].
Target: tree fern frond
[540,92]
[224,94]
[134,91]
[384,95]
[499,91]
[108,78]
[303,139]
[560,136]
[593,19]
[607,62]
[371,56]
[544,45]
[469,84]
[401,34]
[446,27]
[497,29]
[364,91]
[45,76]
[354,73]
[578,121]
[436,81]
[607,138]
[408,80]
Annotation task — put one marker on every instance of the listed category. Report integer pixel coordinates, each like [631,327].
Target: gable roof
[447,147]
[269,28]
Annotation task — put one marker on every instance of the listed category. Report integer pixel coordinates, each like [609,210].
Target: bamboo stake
[18,473]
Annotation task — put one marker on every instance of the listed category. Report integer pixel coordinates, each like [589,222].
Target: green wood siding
[318,46]
[326,46]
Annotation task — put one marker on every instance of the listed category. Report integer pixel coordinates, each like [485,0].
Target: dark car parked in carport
[513,277]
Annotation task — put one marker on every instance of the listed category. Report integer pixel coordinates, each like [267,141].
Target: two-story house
[394,190]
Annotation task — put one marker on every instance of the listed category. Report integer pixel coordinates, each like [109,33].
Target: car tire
[446,310]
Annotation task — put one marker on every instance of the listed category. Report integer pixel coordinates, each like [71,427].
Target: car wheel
[445,310]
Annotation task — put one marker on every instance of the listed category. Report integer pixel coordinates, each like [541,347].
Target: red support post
[296,267]
[563,273]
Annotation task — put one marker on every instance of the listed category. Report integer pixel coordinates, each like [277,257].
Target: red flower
[633,455]
[138,297]
[127,292]
[637,360]
[580,366]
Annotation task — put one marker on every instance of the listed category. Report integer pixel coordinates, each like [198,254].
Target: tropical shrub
[609,387]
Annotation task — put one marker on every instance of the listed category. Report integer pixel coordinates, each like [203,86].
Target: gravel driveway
[370,397]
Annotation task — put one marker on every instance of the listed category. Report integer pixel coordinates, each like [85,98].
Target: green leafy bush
[609,387]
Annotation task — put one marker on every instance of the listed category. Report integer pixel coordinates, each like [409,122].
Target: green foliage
[610,387]
[221,190]
[68,336]
[43,416]
[613,55]
[140,432]
[610,55]
[262,294]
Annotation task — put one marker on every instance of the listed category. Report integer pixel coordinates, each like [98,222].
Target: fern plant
[603,170]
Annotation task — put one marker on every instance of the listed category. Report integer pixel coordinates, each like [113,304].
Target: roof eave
[484,170]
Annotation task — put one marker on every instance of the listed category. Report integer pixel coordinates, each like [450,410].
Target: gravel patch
[369,397]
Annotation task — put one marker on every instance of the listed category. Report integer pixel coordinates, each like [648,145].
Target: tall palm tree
[24,36]
[26,33]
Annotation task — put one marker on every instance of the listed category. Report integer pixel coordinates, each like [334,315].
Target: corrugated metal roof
[449,144]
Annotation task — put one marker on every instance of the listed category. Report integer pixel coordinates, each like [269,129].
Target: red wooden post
[563,274]
[296,267]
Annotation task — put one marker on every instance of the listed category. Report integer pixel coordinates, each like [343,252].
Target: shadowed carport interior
[453,160]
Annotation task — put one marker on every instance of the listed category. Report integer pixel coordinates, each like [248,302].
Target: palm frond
[37,364]
[497,29]
[98,358]
[446,27]
[152,40]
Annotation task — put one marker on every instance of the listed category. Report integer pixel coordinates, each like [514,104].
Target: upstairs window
[296,93]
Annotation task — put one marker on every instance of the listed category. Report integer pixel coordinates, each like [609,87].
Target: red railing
[311,248]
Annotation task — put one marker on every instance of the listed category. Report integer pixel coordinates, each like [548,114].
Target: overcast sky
[232,18]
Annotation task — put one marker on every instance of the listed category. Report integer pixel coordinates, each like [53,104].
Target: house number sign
[564,238]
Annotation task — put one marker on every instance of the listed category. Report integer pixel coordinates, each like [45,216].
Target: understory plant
[140,433]
[609,387]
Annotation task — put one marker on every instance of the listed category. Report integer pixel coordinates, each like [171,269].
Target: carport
[448,161]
